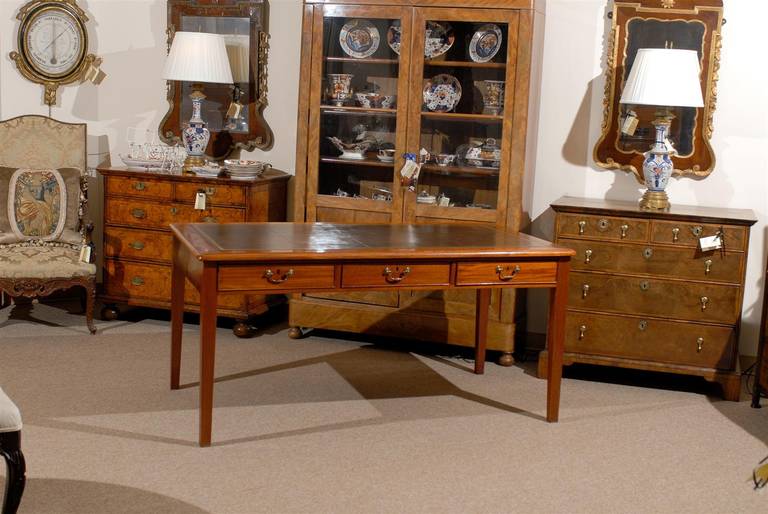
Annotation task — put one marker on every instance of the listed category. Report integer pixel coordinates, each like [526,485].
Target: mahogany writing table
[275,258]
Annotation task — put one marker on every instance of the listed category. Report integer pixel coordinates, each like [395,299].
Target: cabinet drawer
[160,215]
[139,244]
[694,301]
[275,277]
[139,187]
[602,227]
[214,194]
[393,275]
[657,260]
[491,273]
[652,340]
[688,234]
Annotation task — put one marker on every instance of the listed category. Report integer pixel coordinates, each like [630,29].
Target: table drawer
[160,215]
[497,273]
[696,301]
[657,260]
[688,234]
[394,275]
[139,187]
[214,194]
[139,244]
[239,277]
[602,227]
[653,340]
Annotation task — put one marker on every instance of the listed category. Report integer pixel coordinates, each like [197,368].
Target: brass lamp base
[193,161]
[654,201]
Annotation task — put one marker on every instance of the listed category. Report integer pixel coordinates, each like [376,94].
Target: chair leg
[90,297]
[10,449]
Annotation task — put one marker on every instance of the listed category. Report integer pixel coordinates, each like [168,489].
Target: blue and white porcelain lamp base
[195,135]
[658,166]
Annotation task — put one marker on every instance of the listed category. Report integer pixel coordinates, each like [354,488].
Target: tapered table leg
[177,315]
[555,335]
[481,328]
[208,294]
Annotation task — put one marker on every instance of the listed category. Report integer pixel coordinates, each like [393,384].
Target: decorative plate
[438,39]
[442,93]
[141,163]
[485,44]
[359,38]
[393,37]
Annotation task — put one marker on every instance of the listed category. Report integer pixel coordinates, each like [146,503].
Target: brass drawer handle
[390,276]
[210,219]
[137,245]
[139,186]
[502,276]
[699,344]
[704,301]
[272,279]
[584,291]
[139,214]
[582,225]
[137,281]
[587,256]
[707,266]
[624,229]
[645,285]
[675,234]
[648,253]
[582,330]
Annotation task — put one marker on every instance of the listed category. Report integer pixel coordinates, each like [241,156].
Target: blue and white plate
[442,93]
[359,38]
[485,43]
[393,37]
[438,39]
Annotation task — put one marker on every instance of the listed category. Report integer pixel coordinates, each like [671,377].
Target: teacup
[386,154]
[445,159]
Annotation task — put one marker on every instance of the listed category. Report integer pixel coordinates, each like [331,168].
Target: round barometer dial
[54,42]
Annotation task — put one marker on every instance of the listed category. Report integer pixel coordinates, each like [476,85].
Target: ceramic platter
[393,37]
[439,38]
[359,38]
[485,43]
[141,163]
[442,93]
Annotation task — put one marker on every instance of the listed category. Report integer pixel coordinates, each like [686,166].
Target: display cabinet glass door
[460,115]
[358,112]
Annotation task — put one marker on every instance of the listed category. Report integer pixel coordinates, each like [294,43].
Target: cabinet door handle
[502,276]
[699,344]
[584,290]
[272,279]
[582,225]
[582,330]
[139,214]
[392,278]
[624,229]
[587,256]
[707,266]
[139,186]
[210,219]
[704,302]
[137,281]
[675,234]
[137,245]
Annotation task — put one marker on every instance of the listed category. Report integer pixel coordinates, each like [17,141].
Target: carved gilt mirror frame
[683,24]
[244,23]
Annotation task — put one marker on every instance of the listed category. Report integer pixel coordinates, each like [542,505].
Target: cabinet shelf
[367,162]
[461,170]
[459,116]
[358,111]
[467,64]
[362,61]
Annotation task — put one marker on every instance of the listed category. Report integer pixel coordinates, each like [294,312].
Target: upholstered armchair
[43,197]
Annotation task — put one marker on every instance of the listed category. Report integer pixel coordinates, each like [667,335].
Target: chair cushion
[42,261]
[10,417]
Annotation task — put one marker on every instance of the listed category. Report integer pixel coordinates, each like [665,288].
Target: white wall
[130,35]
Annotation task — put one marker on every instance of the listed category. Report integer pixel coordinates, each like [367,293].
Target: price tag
[707,244]
[200,201]
[630,124]
[85,254]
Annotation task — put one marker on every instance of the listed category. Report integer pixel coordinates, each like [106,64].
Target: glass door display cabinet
[384,83]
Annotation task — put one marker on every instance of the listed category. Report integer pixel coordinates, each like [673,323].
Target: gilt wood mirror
[683,24]
[244,23]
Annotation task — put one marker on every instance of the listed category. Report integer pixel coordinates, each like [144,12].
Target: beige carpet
[336,425]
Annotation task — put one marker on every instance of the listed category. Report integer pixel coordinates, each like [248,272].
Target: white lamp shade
[238,50]
[664,77]
[198,57]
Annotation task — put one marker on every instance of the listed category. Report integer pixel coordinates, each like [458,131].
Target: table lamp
[663,78]
[197,57]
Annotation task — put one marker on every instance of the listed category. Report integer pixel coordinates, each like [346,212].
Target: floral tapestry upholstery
[42,261]
[37,204]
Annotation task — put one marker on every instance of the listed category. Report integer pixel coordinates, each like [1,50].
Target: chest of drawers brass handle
[502,276]
[699,344]
[137,281]
[584,290]
[582,225]
[139,186]
[392,277]
[136,245]
[644,285]
[648,253]
[624,229]
[582,330]
[587,256]
[675,234]
[707,266]
[272,279]
[139,214]
[704,301]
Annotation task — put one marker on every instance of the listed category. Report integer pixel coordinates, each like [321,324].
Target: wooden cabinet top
[480,4]
[676,212]
[270,175]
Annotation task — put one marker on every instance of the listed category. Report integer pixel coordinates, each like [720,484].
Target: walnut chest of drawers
[642,294]
[138,208]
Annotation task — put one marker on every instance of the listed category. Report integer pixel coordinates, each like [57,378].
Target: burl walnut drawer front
[160,215]
[275,276]
[186,192]
[696,301]
[657,260]
[493,273]
[602,227]
[688,234]
[392,275]
[139,244]
[627,337]
[139,188]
